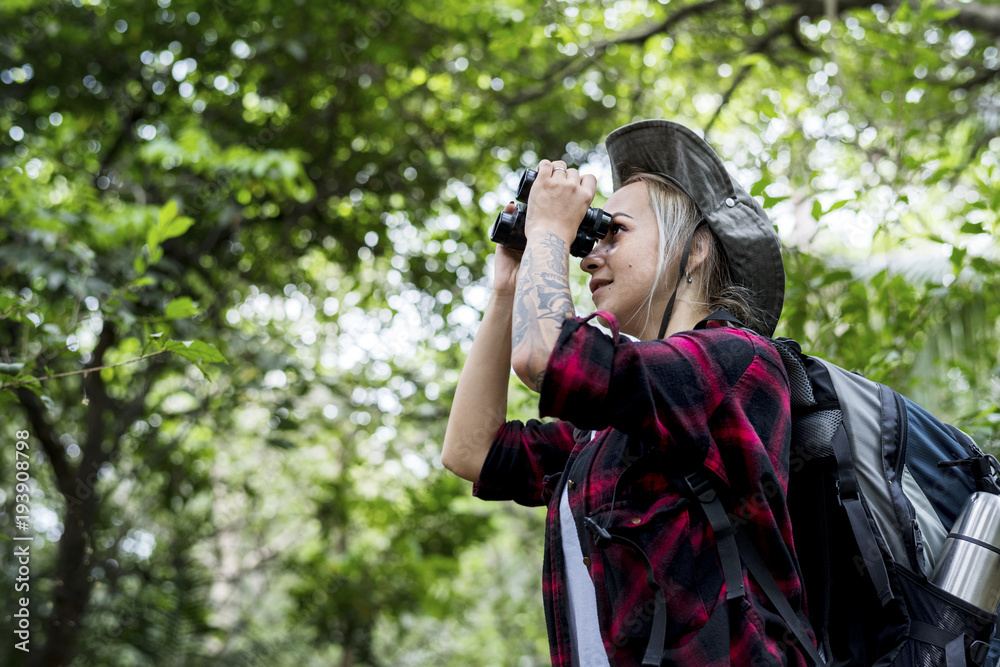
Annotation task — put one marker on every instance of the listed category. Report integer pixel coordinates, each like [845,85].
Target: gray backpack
[876,486]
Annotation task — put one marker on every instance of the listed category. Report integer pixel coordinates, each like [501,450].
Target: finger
[573,175]
[544,168]
[589,183]
[510,208]
[558,166]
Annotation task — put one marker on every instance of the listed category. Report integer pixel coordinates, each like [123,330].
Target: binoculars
[508,230]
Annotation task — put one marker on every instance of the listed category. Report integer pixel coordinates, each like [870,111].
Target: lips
[598,284]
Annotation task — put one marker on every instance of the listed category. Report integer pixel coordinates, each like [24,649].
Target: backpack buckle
[849,491]
[700,486]
[978,651]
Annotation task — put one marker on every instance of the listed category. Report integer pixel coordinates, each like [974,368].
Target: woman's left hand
[559,199]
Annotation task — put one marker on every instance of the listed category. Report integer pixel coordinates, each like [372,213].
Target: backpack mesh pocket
[933,606]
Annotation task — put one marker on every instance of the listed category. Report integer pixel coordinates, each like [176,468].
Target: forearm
[480,405]
[542,302]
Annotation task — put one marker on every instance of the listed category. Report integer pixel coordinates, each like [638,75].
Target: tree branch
[46,435]
[973,16]
[759,47]
[643,33]
[134,113]
[84,371]
[94,386]
[574,65]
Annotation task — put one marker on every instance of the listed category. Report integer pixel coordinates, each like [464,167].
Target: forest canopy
[243,253]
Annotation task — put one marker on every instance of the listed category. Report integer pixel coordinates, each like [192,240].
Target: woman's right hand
[505,266]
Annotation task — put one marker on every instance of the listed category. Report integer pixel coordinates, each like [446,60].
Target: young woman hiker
[632,573]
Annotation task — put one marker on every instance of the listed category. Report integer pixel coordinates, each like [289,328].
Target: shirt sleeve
[662,391]
[524,462]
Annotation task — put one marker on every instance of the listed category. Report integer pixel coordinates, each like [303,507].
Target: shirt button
[571,484]
[636,522]
[586,561]
[730,202]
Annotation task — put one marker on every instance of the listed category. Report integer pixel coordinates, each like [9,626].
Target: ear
[701,244]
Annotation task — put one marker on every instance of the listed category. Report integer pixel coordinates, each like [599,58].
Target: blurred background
[243,253]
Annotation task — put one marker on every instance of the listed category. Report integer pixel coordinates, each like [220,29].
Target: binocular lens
[508,229]
[524,185]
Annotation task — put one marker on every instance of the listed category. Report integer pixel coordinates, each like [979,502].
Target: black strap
[984,468]
[720,316]
[658,635]
[758,568]
[850,499]
[952,644]
[680,275]
[733,544]
[725,541]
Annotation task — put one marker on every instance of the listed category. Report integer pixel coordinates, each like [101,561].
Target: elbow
[456,464]
[520,361]
[448,460]
[529,367]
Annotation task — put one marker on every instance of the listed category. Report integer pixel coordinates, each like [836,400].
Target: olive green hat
[748,240]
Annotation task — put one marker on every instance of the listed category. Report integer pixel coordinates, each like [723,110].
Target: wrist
[544,231]
[503,297]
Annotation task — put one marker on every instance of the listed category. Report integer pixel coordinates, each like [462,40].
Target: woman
[633,418]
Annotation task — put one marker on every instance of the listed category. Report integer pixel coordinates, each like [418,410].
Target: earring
[690,279]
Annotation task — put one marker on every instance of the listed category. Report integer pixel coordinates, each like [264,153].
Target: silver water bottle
[968,566]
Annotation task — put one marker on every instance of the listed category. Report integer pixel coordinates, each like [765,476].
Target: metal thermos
[968,566]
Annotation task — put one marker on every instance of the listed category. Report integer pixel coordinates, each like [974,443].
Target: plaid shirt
[716,397]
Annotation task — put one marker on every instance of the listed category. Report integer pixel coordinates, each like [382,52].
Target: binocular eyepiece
[508,230]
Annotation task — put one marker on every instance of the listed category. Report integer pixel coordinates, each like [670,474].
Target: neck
[684,318]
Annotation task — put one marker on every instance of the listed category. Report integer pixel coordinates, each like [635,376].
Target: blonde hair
[677,217]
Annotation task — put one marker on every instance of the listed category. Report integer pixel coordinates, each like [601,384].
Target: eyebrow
[615,215]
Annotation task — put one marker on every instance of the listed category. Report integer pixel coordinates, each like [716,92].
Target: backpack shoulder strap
[849,497]
[725,538]
[734,545]
[805,374]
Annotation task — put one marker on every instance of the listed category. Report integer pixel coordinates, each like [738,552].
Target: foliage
[243,252]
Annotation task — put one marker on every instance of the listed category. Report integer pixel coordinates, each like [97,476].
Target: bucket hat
[748,240]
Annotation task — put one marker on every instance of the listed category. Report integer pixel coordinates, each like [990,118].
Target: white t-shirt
[584,629]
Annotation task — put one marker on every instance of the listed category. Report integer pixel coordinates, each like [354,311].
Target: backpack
[875,485]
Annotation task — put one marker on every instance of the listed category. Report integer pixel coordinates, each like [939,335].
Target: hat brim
[748,239]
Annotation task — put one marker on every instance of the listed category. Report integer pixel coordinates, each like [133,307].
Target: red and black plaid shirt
[716,397]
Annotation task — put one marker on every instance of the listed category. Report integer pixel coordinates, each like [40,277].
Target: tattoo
[558,259]
[542,300]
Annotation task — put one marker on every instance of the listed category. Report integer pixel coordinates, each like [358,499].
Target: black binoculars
[508,230]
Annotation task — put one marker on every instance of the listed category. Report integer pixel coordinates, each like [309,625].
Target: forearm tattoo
[542,301]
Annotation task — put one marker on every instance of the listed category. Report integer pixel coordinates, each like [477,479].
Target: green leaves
[342,203]
[973,228]
[196,351]
[180,308]
[169,224]
[7,302]
[818,211]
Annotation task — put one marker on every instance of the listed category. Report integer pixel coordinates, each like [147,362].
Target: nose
[594,260]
